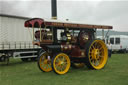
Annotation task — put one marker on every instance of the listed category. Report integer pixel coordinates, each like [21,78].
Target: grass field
[20,73]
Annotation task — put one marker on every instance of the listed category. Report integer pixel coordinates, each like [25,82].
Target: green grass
[20,73]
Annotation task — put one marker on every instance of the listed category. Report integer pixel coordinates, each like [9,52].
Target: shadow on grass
[14,63]
[72,71]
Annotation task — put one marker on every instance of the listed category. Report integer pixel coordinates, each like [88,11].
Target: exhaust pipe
[54,9]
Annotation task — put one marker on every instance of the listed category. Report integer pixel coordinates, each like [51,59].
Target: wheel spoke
[63,59]
[100,48]
[93,62]
[96,45]
[58,59]
[96,63]
[93,46]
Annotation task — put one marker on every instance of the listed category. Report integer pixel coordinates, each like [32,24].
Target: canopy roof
[38,22]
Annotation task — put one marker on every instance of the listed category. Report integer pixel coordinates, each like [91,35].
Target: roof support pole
[40,34]
[33,34]
[103,34]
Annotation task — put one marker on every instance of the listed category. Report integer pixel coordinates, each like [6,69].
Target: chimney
[54,9]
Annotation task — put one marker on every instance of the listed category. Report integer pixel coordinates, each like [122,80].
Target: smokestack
[54,9]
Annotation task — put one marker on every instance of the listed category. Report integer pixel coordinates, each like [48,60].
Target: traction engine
[67,44]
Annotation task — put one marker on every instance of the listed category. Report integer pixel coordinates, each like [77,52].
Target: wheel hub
[60,63]
[45,61]
[95,54]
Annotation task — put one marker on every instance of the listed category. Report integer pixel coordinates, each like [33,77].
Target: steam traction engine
[66,44]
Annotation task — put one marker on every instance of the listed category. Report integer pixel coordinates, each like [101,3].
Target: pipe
[54,9]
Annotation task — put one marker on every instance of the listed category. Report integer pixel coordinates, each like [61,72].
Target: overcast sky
[105,12]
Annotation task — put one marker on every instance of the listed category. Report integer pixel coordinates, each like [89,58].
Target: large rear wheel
[44,62]
[61,63]
[97,54]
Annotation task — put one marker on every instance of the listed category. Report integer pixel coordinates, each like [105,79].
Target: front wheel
[97,54]
[44,62]
[61,63]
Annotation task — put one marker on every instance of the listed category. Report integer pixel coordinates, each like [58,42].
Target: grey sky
[112,12]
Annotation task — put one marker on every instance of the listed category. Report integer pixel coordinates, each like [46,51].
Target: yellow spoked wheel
[61,63]
[44,62]
[78,65]
[97,54]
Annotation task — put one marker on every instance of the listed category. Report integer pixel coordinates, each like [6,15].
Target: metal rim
[98,54]
[45,62]
[61,63]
